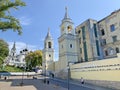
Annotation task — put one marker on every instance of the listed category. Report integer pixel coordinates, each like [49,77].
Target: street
[76,85]
[72,86]
[37,83]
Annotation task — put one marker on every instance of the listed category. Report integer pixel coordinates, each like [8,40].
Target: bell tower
[67,42]
[12,55]
[48,51]
[67,26]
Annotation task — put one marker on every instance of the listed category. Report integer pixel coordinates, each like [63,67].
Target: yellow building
[104,72]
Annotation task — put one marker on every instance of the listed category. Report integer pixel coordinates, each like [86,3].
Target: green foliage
[6,20]
[11,69]
[4,50]
[34,59]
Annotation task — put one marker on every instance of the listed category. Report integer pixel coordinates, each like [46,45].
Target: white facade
[16,60]
[48,52]
[67,42]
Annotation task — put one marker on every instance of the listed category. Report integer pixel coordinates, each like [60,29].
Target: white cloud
[21,45]
[25,21]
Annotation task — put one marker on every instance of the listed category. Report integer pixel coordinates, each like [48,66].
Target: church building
[92,40]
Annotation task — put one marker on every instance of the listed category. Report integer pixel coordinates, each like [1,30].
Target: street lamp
[22,76]
[68,67]
[24,66]
[45,74]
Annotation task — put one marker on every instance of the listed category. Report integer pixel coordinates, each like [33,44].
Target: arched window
[102,32]
[106,53]
[69,28]
[49,45]
[49,55]
[71,46]
[117,50]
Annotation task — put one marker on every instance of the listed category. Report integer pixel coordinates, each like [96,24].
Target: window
[79,32]
[13,54]
[103,41]
[49,44]
[112,27]
[97,47]
[69,28]
[114,38]
[80,40]
[80,50]
[62,46]
[83,33]
[49,55]
[95,30]
[102,32]
[106,53]
[117,50]
[85,51]
[70,45]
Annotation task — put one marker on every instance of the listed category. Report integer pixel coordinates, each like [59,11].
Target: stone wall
[109,84]
[101,72]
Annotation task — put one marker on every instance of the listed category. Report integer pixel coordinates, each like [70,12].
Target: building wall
[105,24]
[85,45]
[51,67]
[57,66]
[89,44]
[106,69]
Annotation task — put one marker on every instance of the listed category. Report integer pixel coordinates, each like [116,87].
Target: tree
[4,50]
[8,21]
[33,59]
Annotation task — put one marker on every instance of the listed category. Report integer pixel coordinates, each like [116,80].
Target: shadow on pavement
[37,83]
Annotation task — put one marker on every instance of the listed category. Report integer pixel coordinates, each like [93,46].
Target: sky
[39,15]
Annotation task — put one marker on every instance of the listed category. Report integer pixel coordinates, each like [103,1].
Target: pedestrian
[47,81]
[52,75]
[82,80]
[5,78]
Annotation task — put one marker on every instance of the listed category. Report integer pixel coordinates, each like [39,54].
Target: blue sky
[38,15]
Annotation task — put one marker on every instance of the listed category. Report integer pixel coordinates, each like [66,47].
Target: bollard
[48,82]
[44,80]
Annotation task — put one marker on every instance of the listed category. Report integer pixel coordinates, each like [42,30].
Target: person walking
[82,80]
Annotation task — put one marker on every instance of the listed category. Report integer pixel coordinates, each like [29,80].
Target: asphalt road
[72,86]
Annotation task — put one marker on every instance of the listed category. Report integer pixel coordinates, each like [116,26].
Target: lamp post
[24,66]
[22,76]
[68,67]
[45,81]
[45,74]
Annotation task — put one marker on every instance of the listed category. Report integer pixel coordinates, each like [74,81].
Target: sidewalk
[29,84]
[95,87]
[91,86]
